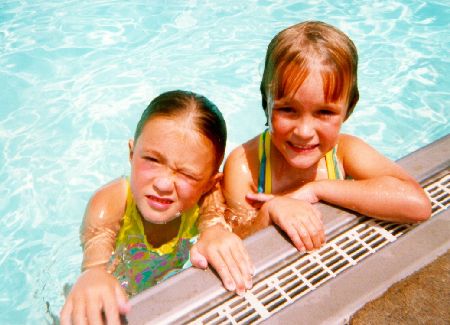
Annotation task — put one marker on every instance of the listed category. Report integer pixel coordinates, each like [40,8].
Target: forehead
[313,73]
[178,141]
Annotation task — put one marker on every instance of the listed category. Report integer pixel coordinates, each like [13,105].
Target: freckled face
[171,168]
[304,126]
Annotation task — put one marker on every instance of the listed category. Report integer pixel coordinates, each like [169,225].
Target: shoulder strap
[265,176]
[332,163]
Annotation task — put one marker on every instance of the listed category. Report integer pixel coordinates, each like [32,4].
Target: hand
[304,193]
[226,253]
[300,220]
[95,291]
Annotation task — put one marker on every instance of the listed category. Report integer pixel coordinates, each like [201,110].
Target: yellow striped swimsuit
[265,175]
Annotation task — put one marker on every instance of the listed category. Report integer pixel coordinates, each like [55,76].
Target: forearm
[212,210]
[98,244]
[245,222]
[386,198]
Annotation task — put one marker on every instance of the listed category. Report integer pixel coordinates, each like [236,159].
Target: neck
[285,177]
[159,234]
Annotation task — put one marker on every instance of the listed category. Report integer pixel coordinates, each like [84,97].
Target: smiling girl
[309,88]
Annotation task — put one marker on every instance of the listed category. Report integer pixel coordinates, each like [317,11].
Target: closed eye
[190,176]
[285,109]
[327,112]
[150,158]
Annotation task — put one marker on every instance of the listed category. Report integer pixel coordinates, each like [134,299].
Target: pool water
[76,75]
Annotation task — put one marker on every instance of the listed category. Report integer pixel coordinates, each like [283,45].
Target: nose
[164,183]
[304,127]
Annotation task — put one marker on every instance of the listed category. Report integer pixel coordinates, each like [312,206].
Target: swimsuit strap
[265,175]
[332,164]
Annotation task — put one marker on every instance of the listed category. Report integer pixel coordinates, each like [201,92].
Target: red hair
[292,53]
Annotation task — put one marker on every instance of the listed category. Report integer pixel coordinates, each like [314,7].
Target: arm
[298,218]
[101,223]
[97,291]
[218,246]
[380,188]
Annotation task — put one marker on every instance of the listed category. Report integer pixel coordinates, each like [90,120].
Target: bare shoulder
[362,161]
[243,160]
[240,171]
[347,142]
[110,199]
[351,148]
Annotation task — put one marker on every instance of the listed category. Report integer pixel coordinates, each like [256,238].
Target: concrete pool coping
[193,291]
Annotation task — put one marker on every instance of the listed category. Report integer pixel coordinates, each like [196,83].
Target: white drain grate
[439,193]
[312,269]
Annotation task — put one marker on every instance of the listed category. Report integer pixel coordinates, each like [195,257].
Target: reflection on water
[76,76]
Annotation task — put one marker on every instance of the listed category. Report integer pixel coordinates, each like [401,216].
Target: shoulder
[350,147]
[241,171]
[111,197]
[362,161]
[243,159]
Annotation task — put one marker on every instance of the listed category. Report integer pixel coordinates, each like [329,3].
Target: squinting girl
[178,146]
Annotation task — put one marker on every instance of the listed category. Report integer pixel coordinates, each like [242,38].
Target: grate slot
[309,271]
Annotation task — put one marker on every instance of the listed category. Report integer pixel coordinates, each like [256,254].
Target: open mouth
[158,203]
[302,148]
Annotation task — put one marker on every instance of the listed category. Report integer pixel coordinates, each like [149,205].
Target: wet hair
[295,51]
[207,118]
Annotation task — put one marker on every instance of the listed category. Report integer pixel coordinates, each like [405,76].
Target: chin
[302,162]
[159,217]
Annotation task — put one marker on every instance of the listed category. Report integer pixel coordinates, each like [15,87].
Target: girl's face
[304,126]
[172,166]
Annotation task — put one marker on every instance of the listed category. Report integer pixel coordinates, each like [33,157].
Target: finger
[79,316]
[94,312]
[111,309]
[259,197]
[122,300]
[319,224]
[304,235]
[197,259]
[239,270]
[66,312]
[246,258]
[293,234]
[221,268]
[313,232]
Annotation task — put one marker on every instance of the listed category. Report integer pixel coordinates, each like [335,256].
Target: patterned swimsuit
[139,265]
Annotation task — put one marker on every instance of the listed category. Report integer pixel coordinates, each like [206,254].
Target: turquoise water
[75,76]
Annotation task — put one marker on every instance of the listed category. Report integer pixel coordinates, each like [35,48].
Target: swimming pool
[75,76]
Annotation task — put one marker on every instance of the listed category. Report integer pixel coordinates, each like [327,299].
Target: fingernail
[230,286]
[240,292]
[248,284]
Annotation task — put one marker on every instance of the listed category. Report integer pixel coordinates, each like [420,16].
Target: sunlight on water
[75,77]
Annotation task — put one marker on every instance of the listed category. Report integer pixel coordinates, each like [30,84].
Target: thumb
[122,300]
[197,259]
[259,197]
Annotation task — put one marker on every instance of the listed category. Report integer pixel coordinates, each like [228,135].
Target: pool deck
[194,292]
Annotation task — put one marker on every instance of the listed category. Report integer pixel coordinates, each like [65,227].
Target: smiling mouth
[300,148]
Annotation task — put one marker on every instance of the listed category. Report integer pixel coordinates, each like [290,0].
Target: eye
[191,177]
[284,109]
[150,159]
[326,112]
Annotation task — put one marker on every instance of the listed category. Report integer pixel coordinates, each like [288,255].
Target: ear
[130,148]
[213,181]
